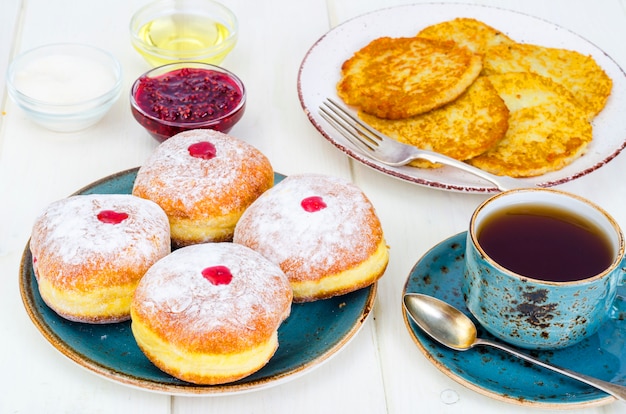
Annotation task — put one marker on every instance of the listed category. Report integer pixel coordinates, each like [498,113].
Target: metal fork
[391,152]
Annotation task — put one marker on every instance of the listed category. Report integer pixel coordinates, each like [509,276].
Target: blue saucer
[311,335]
[439,273]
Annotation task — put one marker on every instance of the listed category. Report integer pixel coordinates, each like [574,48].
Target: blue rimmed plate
[313,333]
[491,372]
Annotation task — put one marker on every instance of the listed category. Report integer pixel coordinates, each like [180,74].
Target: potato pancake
[395,78]
[467,90]
[462,129]
[580,74]
[525,89]
[547,129]
[470,33]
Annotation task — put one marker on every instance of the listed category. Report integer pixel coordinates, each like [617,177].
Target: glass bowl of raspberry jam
[65,87]
[169,31]
[181,96]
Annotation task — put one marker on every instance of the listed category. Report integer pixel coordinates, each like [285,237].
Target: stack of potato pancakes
[466,90]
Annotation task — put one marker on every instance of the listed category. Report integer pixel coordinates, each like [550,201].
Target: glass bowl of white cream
[65,87]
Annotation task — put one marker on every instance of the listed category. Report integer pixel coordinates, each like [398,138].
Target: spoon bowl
[452,328]
[441,321]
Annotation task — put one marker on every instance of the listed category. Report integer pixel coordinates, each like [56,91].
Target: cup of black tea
[543,267]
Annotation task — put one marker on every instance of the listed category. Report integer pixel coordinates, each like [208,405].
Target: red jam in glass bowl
[181,96]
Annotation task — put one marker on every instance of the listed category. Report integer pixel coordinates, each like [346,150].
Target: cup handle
[618,308]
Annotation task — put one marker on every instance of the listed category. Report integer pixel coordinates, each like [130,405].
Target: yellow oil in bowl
[194,30]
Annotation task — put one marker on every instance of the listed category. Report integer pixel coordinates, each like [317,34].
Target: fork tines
[351,127]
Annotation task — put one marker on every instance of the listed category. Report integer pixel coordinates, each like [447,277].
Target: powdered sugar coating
[70,242]
[181,306]
[184,185]
[310,245]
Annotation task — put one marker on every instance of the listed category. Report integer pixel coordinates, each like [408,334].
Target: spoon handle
[618,391]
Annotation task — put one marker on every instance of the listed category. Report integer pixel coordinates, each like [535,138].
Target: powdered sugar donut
[204,180]
[321,230]
[89,252]
[209,313]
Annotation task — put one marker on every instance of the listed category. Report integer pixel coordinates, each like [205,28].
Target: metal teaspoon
[452,328]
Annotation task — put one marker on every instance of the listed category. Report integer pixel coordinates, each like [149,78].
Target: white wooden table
[381,370]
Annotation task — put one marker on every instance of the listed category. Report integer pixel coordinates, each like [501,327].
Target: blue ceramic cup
[537,313]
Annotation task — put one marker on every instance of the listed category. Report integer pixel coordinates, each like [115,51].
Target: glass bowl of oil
[168,31]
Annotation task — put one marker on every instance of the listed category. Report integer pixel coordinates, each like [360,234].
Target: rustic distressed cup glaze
[538,314]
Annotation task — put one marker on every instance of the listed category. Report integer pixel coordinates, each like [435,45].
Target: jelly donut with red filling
[209,313]
[89,252]
[322,231]
[204,180]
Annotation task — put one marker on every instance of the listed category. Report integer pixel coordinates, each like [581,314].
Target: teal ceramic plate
[496,374]
[314,332]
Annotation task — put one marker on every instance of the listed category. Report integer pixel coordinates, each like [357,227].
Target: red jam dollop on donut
[218,275]
[202,149]
[188,95]
[112,217]
[313,204]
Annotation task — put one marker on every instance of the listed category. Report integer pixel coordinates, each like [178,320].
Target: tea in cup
[542,267]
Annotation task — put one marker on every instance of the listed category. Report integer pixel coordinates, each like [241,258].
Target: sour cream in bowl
[65,87]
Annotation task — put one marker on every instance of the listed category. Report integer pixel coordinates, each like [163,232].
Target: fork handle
[503,183]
